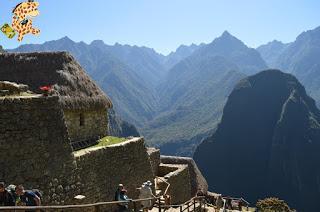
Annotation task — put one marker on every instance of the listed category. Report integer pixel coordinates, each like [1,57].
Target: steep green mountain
[145,62]
[197,95]
[133,98]
[271,51]
[267,143]
[301,58]
[247,59]
[181,53]
[120,128]
[194,93]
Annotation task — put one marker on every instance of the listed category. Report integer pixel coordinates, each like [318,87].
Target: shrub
[273,204]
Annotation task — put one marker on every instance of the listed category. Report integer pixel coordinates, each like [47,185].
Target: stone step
[82,144]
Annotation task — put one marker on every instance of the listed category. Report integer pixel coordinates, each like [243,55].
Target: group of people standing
[145,192]
[18,196]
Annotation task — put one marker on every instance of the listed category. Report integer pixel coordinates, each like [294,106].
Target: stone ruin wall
[103,168]
[36,152]
[178,177]
[198,182]
[35,148]
[154,155]
[95,122]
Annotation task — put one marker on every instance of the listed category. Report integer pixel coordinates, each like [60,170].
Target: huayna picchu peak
[267,143]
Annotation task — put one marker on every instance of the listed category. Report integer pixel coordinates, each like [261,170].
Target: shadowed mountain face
[267,143]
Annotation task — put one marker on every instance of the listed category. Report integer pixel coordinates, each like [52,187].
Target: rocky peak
[268,140]
[98,43]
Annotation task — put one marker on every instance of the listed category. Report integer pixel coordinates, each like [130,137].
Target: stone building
[84,104]
[38,133]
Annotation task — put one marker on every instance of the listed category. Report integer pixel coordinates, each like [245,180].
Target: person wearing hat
[117,193]
[124,206]
[145,193]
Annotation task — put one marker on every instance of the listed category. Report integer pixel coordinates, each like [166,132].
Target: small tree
[273,204]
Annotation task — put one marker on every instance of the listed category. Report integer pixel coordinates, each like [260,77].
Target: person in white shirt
[145,193]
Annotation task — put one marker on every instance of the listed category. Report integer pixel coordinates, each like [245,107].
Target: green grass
[109,140]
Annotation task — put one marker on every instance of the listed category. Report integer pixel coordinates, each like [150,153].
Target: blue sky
[165,24]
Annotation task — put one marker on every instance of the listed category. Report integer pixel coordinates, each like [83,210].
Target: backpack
[37,192]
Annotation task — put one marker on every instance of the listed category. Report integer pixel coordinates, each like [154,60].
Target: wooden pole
[135,209]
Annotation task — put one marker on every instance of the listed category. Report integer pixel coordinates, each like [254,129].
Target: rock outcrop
[267,143]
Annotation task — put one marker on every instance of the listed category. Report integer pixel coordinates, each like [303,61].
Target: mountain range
[300,58]
[271,51]
[267,143]
[195,90]
[144,84]
[177,100]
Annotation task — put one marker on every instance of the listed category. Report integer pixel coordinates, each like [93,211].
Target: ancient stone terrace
[39,134]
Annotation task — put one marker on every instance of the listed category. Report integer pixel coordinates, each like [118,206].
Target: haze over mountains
[195,90]
[271,51]
[177,100]
[267,143]
[301,58]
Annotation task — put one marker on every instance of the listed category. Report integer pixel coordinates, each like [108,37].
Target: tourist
[117,193]
[123,206]
[200,193]
[6,198]
[219,202]
[28,197]
[229,203]
[145,193]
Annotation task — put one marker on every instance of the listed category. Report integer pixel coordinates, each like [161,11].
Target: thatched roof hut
[74,87]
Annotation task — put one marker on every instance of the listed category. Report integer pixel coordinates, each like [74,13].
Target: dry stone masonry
[86,124]
[103,168]
[36,151]
[38,133]
[35,148]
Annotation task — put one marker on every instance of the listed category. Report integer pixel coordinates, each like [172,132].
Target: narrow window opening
[81,119]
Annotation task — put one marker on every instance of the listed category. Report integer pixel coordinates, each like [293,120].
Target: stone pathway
[208,209]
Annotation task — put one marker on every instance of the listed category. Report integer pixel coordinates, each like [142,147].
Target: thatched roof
[74,87]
